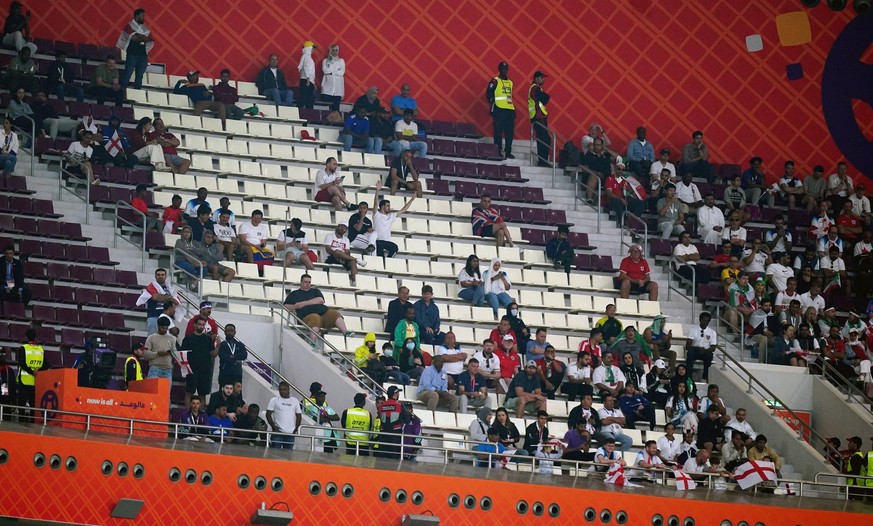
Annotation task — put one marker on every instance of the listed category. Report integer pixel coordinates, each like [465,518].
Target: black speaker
[837,5]
[809,3]
[861,6]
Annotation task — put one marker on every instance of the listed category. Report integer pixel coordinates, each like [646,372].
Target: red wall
[672,65]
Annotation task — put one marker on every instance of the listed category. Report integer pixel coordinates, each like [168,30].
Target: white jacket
[333,83]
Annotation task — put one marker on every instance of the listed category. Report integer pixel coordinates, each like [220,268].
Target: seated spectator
[647,458]
[634,275]
[820,223]
[226,94]
[525,391]
[814,188]
[397,309]
[194,417]
[861,205]
[779,273]
[608,379]
[401,169]
[851,224]
[610,329]
[14,288]
[787,350]
[813,298]
[669,445]
[225,234]
[754,183]
[640,153]
[739,423]
[225,397]
[632,370]
[629,343]
[186,250]
[338,250]
[831,239]
[712,399]
[453,359]
[735,199]
[663,163]
[791,188]
[685,258]
[168,143]
[695,157]
[659,189]
[698,464]
[761,451]
[383,219]
[105,84]
[688,194]
[9,150]
[405,130]
[487,222]
[599,161]
[329,186]
[253,238]
[144,148]
[307,303]
[479,428]
[710,221]
[22,114]
[380,125]
[51,123]
[367,359]
[427,315]
[138,201]
[470,284]
[578,440]
[496,283]
[559,251]
[271,83]
[489,363]
[809,259]
[356,132]
[550,372]
[756,259]
[784,298]
[78,161]
[16,29]
[201,223]
[508,432]
[636,408]
[250,428]
[536,348]
[537,433]
[736,234]
[503,329]
[864,247]
[671,220]
[21,72]
[472,387]
[433,388]
[212,253]
[833,269]
[489,453]
[740,295]
[201,97]
[406,329]
[840,186]
[621,195]
[577,380]
[411,360]
[680,408]
[402,102]
[778,238]
[733,453]
[703,340]
[710,433]
[510,362]
[606,456]
[360,230]
[658,383]
[595,131]
[294,243]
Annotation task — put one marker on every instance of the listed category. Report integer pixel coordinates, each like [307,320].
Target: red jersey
[635,271]
[849,221]
[722,258]
[593,350]
[140,205]
[174,215]
[211,327]
[509,363]
[497,338]
[617,185]
[169,150]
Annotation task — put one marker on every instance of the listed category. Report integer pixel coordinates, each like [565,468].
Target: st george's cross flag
[615,475]
[683,480]
[754,472]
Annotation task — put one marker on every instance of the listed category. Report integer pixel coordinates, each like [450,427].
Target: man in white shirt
[698,463]
[861,204]
[689,194]
[405,131]
[710,221]
[329,186]
[663,163]
[778,238]
[577,381]
[608,379]
[284,416]
[338,249]
[453,358]
[253,236]
[780,272]
[840,186]
[489,363]
[739,423]
[865,246]
[813,298]
[784,298]
[702,344]
[834,270]
[685,258]
[79,154]
[756,258]
[611,422]
[791,187]
[383,219]
[647,458]
[225,234]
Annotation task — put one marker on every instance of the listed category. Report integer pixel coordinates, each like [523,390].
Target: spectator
[578,441]
[14,288]
[577,380]
[657,383]
[186,254]
[851,224]
[231,355]
[105,83]
[383,219]
[200,223]
[412,434]
[537,433]
[225,94]
[496,283]
[595,131]
[392,415]
[778,238]
[668,445]
[253,238]
[380,125]
[427,315]
[487,222]
[699,463]
[636,408]
[787,349]
[271,83]
[663,163]
[154,296]
[821,222]
[702,344]
[338,250]
[294,243]
[739,424]
[813,298]
[9,151]
[735,199]
[754,183]
[333,84]
[861,205]
[470,284]
[356,132]
[316,408]
[621,194]
[756,259]
[730,274]
[814,188]
[634,275]
[285,416]
[680,408]
[710,221]
[194,417]
[507,433]
[405,330]
[490,451]
[630,343]
[226,398]
[608,379]
[525,391]
[401,169]
[647,458]
[16,29]
[733,453]
[51,123]
[584,414]
[736,234]
[840,186]
[598,161]
[640,153]
[710,434]
[611,423]
[158,350]
[360,230]
[136,40]
[550,372]
[201,97]
[453,359]
[489,363]
[831,239]
[307,303]
[397,309]
[78,161]
[808,259]
[519,328]
[205,312]
[510,362]
[685,258]
[559,251]
[834,270]
[367,359]
[712,399]
[21,72]
[405,130]
[761,451]
[250,428]
[225,234]
[411,361]
[433,388]
[168,143]
[535,349]
[329,188]
[22,114]
[779,274]
[740,297]
[695,157]
[402,102]
[146,149]
[688,195]
[202,349]
[472,387]
[793,315]
[790,186]
[609,328]
[503,329]
[306,68]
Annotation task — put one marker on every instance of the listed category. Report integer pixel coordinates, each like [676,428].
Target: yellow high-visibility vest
[503,94]
[34,355]
[533,104]
[360,420]
[138,369]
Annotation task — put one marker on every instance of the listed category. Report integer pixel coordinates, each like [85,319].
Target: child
[493,446]
[547,452]
[173,216]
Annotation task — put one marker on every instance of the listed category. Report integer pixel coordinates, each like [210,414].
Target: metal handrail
[117,230]
[32,141]
[755,384]
[852,390]
[740,330]
[189,256]
[645,231]
[841,476]
[673,273]
[85,180]
[347,365]
[535,140]
[577,183]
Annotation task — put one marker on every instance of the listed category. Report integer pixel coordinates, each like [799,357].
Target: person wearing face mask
[411,361]
[517,325]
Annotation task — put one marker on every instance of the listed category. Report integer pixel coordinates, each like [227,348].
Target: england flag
[754,472]
[683,480]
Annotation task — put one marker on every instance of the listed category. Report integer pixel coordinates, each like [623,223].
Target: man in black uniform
[537,99]
[499,96]
[202,350]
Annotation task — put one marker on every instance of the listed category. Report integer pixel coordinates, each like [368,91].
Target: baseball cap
[205,305]
[392,390]
[660,364]
[539,74]
[503,65]
[315,387]
[310,43]
[193,72]
[508,337]
[665,150]
[530,363]
[635,246]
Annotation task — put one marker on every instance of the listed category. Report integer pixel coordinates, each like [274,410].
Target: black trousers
[334,101]
[504,129]
[574,390]
[544,140]
[306,94]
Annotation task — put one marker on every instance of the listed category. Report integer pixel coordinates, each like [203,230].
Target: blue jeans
[61,91]
[621,440]
[8,163]
[399,377]
[498,300]
[160,372]
[282,441]
[370,145]
[134,63]
[151,326]
[284,97]
[419,147]
[189,268]
[475,295]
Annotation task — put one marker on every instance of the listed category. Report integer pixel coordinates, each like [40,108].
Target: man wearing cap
[433,387]
[392,415]
[858,464]
[316,408]
[271,83]
[640,153]
[499,96]
[201,96]
[622,196]
[206,313]
[358,423]
[525,391]
[635,276]
[663,163]
[537,99]
[306,69]
[695,157]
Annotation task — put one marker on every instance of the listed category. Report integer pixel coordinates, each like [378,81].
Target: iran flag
[754,472]
[683,480]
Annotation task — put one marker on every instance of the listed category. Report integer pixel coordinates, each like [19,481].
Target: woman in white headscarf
[306,68]
[333,86]
[496,284]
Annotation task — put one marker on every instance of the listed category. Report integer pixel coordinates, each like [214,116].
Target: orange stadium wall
[674,66]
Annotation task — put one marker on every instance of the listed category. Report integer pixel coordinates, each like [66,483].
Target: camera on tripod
[96,364]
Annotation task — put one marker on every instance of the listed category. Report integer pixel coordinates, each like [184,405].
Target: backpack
[570,155]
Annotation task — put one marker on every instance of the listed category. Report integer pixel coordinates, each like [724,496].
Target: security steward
[132,367]
[499,96]
[31,358]
[856,465]
[358,422]
[537,99]
[393,416]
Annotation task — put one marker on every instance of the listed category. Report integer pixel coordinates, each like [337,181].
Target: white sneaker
[162,167]
[361,262]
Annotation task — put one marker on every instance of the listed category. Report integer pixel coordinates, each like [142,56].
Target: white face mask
[514,312]
[410,346]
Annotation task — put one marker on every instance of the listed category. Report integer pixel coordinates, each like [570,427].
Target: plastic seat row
[80,274]
[83,295]
[14,184]
[498,192]
[49,228]
[63,251]
[80,318]
[27,206]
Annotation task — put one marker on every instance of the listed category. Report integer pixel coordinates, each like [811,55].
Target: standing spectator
[9,150]
[814,188]
[16,29]
[405,130]
[840,186]
[231,355]
[537,98]
[702,344]
[154,296]
[360,230]
[406,329]
[499,97]
[635,275]
[333,86]
[791,187]
[393,416]
[105,83]
[307,303]
[608,379]
[670,217]
[550,372]
[159,349]
[316,408]
[306,70]
[7,383]
[402,102]
[136,40]
[284,415]
[294,243]
[754,183]
[560,251]
[525,391]
[168,143]
[356,132]
[201,97]
[226,94]
[495,285]
[710,221]
[577,381]
[13,288]
[338,250]
[383,219]
[695,157]
[397,309]
[472,387]
[640,153]
[470,284]
[487,222]
[427,315]
[329,186]
[401,169]
[202,349]
[271,83]
[433,388]
[453,359]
